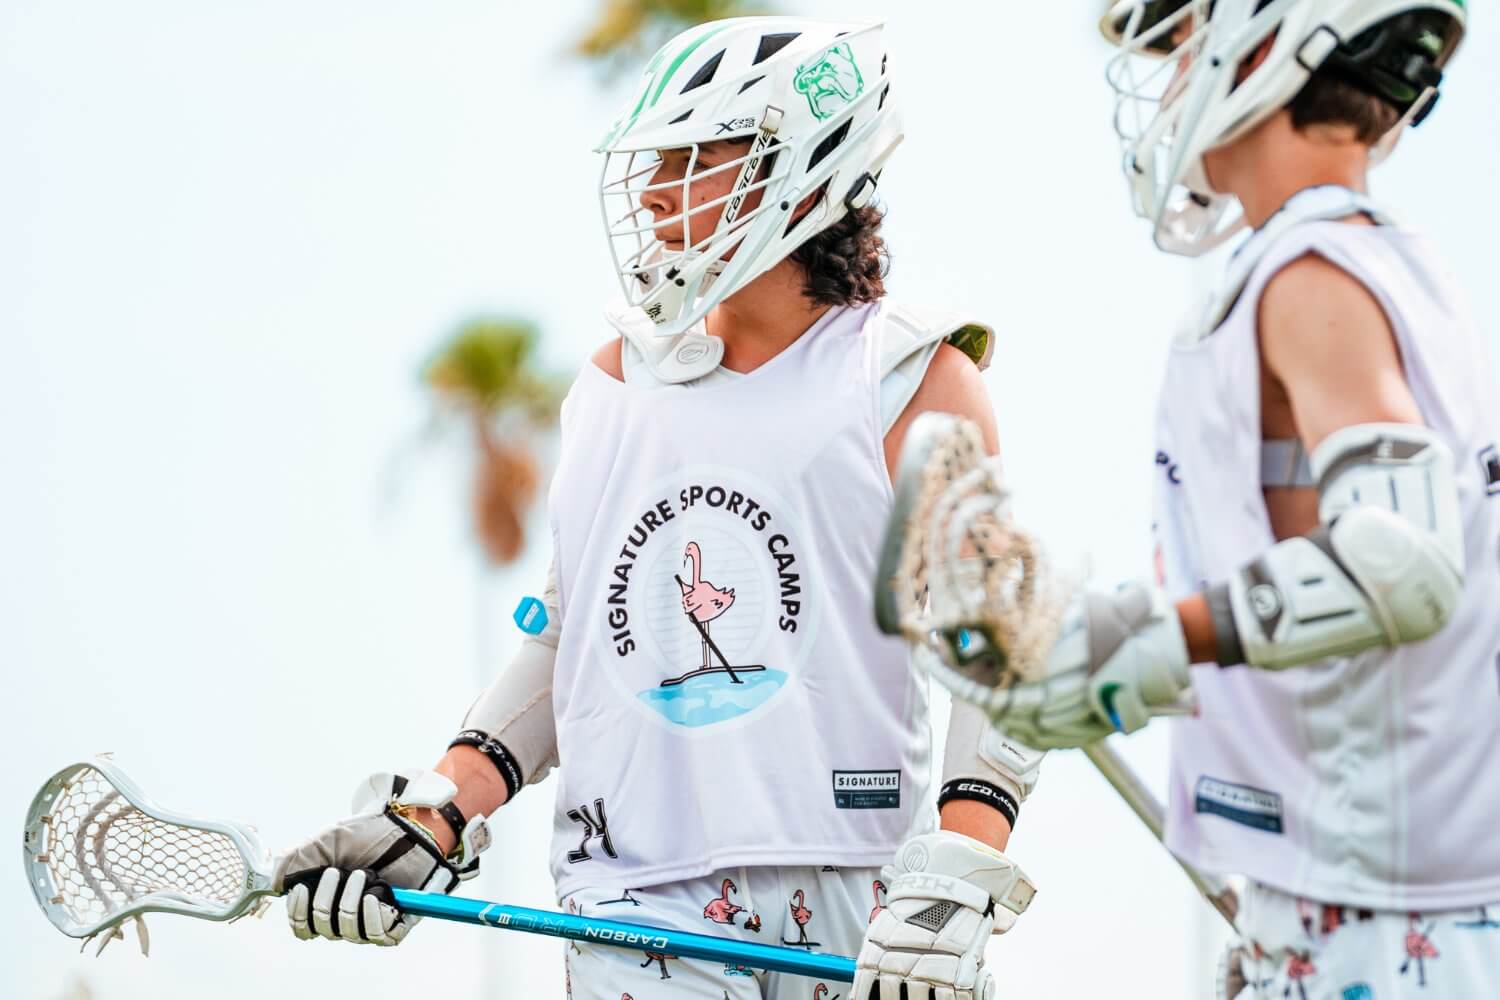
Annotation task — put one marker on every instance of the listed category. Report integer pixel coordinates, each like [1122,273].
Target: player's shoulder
[1315,309]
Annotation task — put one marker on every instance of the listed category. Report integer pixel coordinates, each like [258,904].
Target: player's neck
[764,318]
[1265,168]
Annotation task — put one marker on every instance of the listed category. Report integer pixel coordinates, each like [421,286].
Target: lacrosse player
[741,752]
[1328,488]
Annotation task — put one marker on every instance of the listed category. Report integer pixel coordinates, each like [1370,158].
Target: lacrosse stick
[99,853]
[978,601]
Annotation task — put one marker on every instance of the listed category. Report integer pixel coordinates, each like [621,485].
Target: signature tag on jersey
[867,789]
[1252,807]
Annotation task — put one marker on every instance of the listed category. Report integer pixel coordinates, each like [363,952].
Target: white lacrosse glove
[337,884]
[1120,659]
[945,895]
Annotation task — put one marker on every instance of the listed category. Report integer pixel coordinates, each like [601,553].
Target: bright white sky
[228,236]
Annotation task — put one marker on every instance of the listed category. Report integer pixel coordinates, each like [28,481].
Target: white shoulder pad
[648,356]
[1317,204]
[909,337]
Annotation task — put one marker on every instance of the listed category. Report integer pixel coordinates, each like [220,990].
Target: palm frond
[486,366]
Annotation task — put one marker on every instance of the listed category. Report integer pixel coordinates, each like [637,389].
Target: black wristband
[974,790]
[504,761]
[454,817]
[1228,650]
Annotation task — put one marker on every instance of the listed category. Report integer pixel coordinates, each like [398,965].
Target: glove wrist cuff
[973,867]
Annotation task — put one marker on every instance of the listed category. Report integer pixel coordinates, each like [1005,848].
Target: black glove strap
[503,759]
[974,790]
[455,820]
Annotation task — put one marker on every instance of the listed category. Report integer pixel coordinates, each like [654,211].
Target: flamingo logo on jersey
[707,608]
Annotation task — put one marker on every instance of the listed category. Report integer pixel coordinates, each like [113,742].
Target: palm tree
[485,374]
[624,30]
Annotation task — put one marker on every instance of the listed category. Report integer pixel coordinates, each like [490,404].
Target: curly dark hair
[846,264]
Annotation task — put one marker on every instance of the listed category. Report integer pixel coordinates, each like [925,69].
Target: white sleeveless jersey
[722,697]
[1372,780]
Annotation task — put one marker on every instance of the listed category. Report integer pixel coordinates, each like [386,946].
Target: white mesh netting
[103,855]
[966,566]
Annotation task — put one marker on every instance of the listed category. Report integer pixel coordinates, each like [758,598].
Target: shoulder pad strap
[909,337]
[648,356]
[1318,204]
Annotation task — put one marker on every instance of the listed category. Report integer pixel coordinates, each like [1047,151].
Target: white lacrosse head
[1179,92]
[811,99]
[971,591]
[98,853]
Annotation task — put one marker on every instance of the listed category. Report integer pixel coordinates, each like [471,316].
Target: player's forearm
[977,821]
[1197,628]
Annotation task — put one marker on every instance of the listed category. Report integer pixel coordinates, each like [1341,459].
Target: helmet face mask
[805,104]
[1184,86]
[657,275]
[1159,81]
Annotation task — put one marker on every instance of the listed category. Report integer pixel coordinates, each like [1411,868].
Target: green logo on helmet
[830,83]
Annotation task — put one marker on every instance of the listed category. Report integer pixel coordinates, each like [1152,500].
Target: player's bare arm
[953,385]
[1329,361]
[1329,346]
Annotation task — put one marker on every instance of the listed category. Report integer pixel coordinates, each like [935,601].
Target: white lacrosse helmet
[812,98]
[1176,93]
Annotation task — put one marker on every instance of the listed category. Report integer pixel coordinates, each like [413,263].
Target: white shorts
[824,910]
[1303,950]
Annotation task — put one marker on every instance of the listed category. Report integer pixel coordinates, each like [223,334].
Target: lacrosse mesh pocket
[964,570]
[96,858]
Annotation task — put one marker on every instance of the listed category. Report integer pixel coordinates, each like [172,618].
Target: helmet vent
[681,118]
[772,44]
[750,83]
[886,90]
[705,73]
[829,144]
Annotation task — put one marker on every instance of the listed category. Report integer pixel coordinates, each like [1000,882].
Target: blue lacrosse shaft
[620,934]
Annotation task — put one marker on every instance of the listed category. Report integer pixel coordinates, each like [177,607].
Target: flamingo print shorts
[821,909]
[1303,950]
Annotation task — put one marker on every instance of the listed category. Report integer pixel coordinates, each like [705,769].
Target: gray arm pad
[976,749]
[516,709]
[1385,567]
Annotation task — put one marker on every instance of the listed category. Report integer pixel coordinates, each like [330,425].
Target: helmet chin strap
[770,122]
